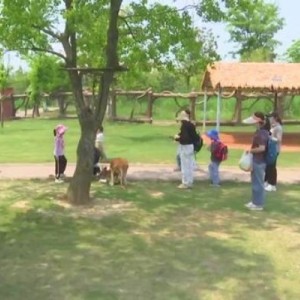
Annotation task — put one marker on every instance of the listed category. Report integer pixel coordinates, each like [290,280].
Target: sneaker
[102,180]
[58,180]
[183,186]
[270,188]
[249,204]
[252,206]
[215,185]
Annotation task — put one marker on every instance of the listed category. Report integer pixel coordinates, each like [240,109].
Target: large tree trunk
[79,188]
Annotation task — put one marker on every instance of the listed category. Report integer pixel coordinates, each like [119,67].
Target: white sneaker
[58,180]
[102,180]
[252,206]
[270,188]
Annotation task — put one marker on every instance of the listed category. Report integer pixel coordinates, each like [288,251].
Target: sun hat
[183,116]
[60,129]
[257,117]
[213,134]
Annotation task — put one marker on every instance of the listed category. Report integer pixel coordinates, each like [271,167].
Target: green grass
[148,242]
[31,141]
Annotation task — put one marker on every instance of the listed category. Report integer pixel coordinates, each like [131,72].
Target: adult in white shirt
[276,135]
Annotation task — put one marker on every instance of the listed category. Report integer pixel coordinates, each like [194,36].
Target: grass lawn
[31,141]
[148,242]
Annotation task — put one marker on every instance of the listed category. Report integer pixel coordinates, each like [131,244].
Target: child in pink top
[59,152]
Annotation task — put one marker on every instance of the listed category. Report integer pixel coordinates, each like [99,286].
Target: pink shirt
[59,145]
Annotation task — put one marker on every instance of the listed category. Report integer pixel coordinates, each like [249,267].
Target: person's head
[213,134]
[60,130]
[183,116]
[275,118]
[258,119]
[100,129]
[188,112]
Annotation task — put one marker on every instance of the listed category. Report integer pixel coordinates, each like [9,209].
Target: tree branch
[129,28]
[37,49]
[48,32]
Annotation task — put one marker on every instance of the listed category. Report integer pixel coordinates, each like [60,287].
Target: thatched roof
[252,76]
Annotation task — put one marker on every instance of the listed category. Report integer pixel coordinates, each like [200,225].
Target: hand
[176,137]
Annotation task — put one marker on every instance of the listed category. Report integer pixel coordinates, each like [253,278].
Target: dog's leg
[121,177]
[112,179]
[125,177]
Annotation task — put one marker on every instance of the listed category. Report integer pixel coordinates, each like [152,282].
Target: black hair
[276,116]
[188,111]
[267,125]
[265,122]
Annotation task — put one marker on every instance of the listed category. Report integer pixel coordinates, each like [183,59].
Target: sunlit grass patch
[149,241]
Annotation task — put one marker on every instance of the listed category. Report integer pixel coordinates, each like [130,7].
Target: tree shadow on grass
[50,257]
[171,245]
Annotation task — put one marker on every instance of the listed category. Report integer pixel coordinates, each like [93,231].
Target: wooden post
[218,109]
[204,110]
[150,104]
[238,107]
[193,98]
[113,111]
[275,101]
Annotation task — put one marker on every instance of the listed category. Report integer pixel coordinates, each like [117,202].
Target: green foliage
[46,76]
[3,77]
[253,24]
[19,81]
[258,55]
[293,52]
[161,37]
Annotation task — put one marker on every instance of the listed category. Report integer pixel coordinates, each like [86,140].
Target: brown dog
[117,172]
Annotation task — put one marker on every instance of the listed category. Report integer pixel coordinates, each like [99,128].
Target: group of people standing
[263,175]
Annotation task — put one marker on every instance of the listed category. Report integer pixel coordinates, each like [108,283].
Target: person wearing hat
[213,167]
[258,148]
[59,152]
[276,135]
[186,138]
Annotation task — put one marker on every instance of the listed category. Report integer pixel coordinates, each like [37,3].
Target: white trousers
[187,164]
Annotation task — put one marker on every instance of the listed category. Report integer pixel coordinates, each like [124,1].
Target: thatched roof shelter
[258,78]
[272,77]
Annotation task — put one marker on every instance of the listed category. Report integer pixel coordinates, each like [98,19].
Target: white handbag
[245,162]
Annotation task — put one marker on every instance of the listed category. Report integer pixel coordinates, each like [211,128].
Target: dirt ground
[141,172]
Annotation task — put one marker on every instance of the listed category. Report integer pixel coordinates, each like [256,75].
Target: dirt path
[141,172]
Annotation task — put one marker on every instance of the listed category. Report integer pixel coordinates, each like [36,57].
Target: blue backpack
[271,152]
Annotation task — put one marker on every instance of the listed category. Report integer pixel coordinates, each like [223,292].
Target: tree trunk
[79,188]
[61,105]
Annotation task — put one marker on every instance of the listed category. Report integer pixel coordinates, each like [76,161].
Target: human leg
[257,183]
[62,164]
[186,157]
[214,173]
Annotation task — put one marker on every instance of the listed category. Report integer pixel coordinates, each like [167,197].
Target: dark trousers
[271,173]
[60,165]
